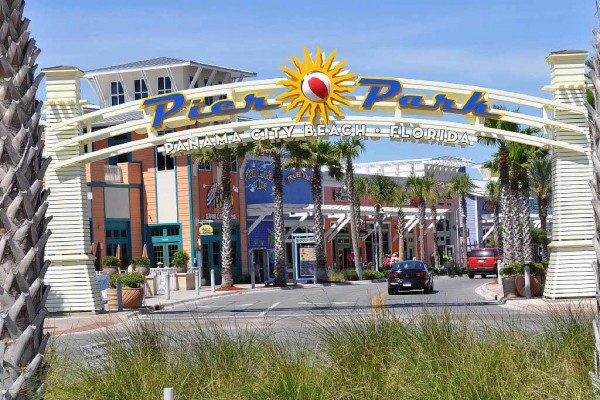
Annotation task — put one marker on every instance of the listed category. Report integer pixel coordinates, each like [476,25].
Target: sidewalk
[493,291]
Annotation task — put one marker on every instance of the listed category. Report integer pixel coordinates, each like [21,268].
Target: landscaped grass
[382,357]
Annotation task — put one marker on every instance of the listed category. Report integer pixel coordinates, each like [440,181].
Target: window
[204,165]
[164,162]
[156,232]
[117,140]
[117,94]
[158,254]
[216,253]
[207,100]
[172,249]
[172,231]
[140,89]
[164,85]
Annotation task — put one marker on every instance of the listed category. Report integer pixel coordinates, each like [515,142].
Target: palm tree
[276,150]
[381,190]
[540,180]
[461,185]
[224,157]
[493,195]
[24,202]
[350,149]
[314,155]
[418,188]
[436,193]
[400,198]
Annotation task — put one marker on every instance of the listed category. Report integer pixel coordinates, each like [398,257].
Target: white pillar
[571,251]
[72,277]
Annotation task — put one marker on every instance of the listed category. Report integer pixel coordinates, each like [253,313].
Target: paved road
[295,312]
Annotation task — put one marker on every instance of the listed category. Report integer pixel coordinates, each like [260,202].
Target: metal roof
[161,62]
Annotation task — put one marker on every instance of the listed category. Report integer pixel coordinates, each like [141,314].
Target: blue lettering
[163,111]
[376,87]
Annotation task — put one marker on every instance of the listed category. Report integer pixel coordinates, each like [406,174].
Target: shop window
[115,141]
[156,232]
[216,253]
[164,85]
[172,231]
[140,89]
[117,94]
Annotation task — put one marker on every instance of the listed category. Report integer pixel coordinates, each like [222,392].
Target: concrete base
[185,281]
[570,273]
[73,286]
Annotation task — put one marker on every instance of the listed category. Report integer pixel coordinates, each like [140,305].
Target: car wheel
[427,289]
[471,275]
[483,275]
[391,291]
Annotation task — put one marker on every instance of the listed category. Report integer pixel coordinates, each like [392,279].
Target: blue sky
[492,44]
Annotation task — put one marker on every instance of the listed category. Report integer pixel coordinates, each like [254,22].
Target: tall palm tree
[314,155]
[461,185]
[381,190]
[506,202]
[349,150]
[400,198]
[493,195]
[277,149]
[540,180]
[436,193]
[224,157]
[23,207]
[418,188]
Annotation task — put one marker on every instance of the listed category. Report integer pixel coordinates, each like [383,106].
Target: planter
[132,298]
[142,269]
[535,282]
[509,287]
[181,269]
[185,281]
[110,270]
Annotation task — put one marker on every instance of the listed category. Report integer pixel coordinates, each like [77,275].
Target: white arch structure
[562,123]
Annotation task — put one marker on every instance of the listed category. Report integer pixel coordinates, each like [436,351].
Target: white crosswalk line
[262,314]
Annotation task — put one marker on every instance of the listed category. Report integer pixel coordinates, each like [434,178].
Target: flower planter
[181,269]
[142,269]
[535,283]
[509,287]
[110,270]
[132,298]
[185,281]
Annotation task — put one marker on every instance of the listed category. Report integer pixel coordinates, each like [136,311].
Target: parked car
[409,275]
[483,261]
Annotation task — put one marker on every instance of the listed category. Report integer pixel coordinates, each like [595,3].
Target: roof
[161,62]
[568,52]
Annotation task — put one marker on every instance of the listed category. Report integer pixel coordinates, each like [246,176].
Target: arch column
[570,272]
[71,275]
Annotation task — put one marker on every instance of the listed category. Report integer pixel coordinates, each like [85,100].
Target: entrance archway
[398,109]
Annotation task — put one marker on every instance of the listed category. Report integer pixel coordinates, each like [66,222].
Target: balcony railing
[113,174]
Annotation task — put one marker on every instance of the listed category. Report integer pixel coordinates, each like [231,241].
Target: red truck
[483,261]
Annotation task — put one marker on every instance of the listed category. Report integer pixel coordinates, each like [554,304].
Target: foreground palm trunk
[23,204]
[279,229]
[436,253]
[505,205]
[354,216]
[463,205]
[319,229]
[226,261]
[401,227]
[421,217]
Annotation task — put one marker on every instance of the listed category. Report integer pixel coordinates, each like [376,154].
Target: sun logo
[316,86]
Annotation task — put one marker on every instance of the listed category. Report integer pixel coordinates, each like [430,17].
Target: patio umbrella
[93,248]
[144,251]
[96,252]
[118,251]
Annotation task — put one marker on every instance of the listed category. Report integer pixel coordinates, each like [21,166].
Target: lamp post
[378,215]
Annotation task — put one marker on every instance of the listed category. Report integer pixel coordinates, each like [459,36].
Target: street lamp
[378,214]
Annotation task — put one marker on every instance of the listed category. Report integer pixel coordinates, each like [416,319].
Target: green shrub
[350,275]
[141,261]
[181,257]
[342,276]
[111,261]
[133,280]
[516,269]
[369,274]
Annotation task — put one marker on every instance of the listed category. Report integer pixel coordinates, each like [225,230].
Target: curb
[487,294]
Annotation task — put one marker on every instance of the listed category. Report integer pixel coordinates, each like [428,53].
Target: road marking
[228,305]
[262,314]
[337,303]
[377,303]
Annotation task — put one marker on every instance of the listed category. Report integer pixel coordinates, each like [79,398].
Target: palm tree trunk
[226,245]
[24,230]
[354,218]
[528,254]
[279,228]
[513,238]
[505,204]
[463,205]
[497,226]
[543,224]
[380,242]
[422,229]
[436,254]
[319,230]
[401,234]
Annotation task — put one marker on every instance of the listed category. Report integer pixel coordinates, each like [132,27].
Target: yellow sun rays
[340,83]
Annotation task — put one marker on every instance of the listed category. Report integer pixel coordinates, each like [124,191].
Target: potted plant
[508,279]
[110,265]
[133,290]
[142,265]
[180,260]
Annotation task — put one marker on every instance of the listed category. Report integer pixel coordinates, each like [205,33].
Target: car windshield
[407,265]
[482,253]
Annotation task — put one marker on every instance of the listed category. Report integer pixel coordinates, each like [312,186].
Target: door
[117,233]
[166,240]
[211,253]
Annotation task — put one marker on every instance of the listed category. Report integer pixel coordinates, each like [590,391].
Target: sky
[501,45]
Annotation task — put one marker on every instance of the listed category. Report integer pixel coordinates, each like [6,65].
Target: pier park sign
[318,90]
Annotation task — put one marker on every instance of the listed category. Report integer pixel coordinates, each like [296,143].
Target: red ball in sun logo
[316,86]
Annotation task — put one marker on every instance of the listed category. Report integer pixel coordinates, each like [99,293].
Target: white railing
[113,174]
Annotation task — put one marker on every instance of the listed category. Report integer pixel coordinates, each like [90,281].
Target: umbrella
[118,251]
[96,252]
[93,248]
[145,251]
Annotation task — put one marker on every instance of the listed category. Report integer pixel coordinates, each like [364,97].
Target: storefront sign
[205,230]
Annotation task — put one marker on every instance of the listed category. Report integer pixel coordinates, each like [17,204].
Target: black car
[409,275]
